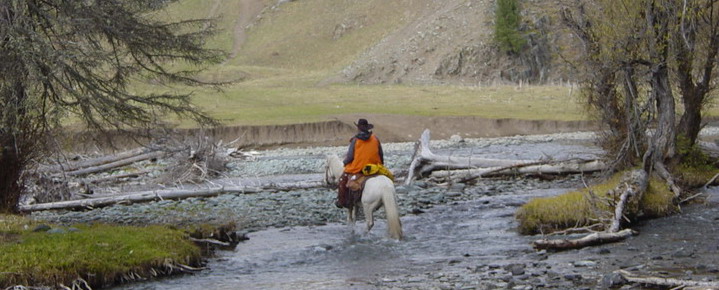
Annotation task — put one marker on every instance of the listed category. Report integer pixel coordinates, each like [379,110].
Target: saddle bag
[377,169]
[356,181]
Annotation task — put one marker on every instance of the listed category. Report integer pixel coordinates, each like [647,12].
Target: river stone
[585,264]
[41,228]
[515,269]
[683,253]
[611,280]
[56,231]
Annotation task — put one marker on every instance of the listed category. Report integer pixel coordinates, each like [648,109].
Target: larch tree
[75,60]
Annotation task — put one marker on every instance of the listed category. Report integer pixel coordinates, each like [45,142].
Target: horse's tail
[394,225]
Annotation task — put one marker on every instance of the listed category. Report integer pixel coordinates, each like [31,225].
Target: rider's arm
[381,154]
[350,152]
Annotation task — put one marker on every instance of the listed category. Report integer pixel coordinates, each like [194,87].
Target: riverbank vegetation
[34,254]
[588,207]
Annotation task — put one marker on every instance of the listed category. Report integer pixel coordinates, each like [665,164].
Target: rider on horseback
[364,149]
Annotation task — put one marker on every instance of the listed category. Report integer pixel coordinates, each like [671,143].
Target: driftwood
[142,196]
[116,164]
[544,167]
[72,166]
[667,282]
[118,176]
[632,187]
[588,240]
[424,162]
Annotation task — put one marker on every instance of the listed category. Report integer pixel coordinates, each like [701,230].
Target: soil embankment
[389,128]
[392,128]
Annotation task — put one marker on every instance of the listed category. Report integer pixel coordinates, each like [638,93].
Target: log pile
[465,168]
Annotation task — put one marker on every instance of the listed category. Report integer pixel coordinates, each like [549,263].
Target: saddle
[355,182]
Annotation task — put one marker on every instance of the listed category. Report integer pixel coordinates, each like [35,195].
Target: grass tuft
[100,254]
[574,209]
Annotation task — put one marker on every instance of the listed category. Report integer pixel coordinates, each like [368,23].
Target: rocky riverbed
[459,236]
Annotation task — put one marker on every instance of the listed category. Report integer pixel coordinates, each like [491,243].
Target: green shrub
[506,27]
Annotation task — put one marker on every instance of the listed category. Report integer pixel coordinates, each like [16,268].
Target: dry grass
[574,209]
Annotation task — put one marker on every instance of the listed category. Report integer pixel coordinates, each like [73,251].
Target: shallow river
[445,239]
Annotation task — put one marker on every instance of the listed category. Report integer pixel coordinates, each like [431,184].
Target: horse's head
[333,169]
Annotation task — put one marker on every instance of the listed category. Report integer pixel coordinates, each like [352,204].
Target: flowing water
[448,238]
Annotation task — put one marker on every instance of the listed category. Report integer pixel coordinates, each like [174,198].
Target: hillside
[374,41]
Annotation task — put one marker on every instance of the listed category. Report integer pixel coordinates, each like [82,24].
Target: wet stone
[585,264]
[41,228]
[56,231]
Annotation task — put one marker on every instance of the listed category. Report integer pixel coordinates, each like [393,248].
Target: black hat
[363,124]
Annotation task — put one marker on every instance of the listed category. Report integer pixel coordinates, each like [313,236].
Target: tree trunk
[554,167]
[73,166]
[116,164]
[143,196]
[588,240]
[9,178]
[667,282]
[424,161]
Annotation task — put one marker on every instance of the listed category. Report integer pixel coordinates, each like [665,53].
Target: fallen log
[142,196]
[632,187]
[545,167]
[588,240]
[118,176]
[424,161]
[72,166]
[116,164]
[666,282]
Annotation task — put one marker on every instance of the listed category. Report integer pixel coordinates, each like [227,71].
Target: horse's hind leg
[369,215]
[351,212]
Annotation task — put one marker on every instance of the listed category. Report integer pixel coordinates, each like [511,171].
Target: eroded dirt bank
[389,128]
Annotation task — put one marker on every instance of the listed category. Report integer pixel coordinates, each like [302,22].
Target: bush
[506,28]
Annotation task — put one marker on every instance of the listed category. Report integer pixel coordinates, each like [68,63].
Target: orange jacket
[365,152]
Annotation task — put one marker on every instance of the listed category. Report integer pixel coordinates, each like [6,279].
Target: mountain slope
[375,41]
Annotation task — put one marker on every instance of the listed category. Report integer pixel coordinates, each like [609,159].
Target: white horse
[378,191]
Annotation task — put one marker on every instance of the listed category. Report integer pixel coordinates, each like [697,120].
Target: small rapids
[461,235]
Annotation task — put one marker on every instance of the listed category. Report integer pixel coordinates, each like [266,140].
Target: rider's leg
[342,191]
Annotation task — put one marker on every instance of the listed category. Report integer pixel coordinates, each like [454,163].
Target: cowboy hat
[362,123]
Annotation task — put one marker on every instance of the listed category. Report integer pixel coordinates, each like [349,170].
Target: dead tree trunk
[667,282]
[73,166]
[632,188]
[143,196]
[425,162]
[589,240]
[116,164]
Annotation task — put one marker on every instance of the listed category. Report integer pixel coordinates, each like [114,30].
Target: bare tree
[63,61]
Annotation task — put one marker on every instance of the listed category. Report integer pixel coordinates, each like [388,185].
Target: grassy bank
[576,208]
[99,254]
